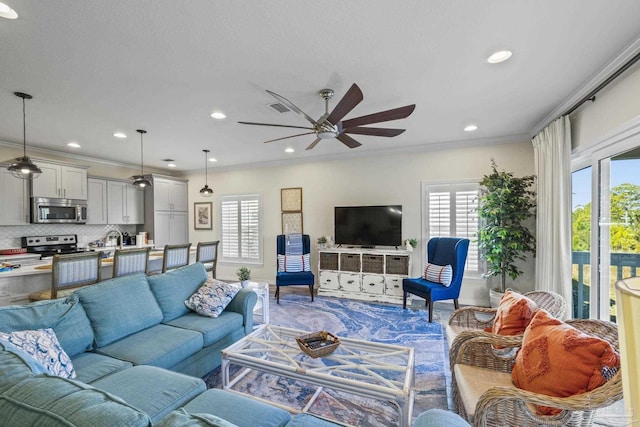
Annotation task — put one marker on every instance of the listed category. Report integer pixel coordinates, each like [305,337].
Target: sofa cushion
[473,381]
[15,366]
[42,345]
[439,418]
[173,287]
[119,307]
[53,401]
[180,418]
[65,316]
[91,366]
[161,345]
[513,314]
[212,329]
[152,390]
[558,360]
[212,297]
[237,409]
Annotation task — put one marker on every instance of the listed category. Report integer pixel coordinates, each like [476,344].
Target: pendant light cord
[206,171]
[24,130]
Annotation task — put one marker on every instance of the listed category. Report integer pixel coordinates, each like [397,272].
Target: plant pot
[244,283]
[494,297]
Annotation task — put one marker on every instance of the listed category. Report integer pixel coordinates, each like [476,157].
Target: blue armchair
[441,251]
[284,278]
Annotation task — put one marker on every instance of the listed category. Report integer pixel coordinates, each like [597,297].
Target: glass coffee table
[363,368]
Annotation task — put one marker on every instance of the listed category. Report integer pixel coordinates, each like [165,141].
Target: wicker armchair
[495,401]
[468,322]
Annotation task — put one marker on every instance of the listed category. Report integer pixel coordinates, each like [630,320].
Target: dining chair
[130,261]
[207,254]
[175,256]
[71,271]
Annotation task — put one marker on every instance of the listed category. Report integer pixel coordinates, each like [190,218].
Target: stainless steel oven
[58,211]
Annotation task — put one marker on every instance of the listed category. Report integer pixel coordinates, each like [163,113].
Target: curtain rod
[592,95]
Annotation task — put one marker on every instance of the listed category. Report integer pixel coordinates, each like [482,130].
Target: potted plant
[244,274]
[506,203]
[322,241]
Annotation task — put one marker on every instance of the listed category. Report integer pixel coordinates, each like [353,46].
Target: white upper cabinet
[97,201]
[126,203]
[14,208]
[60,181]
[169,195]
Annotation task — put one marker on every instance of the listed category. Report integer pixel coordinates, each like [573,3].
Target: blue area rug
[362,320]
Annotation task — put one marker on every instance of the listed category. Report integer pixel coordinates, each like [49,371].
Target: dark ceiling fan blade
[348,141]
[348,102]
[271,124]
[374,131]
[313,144]
[290,105]
[382,116]
[287,137]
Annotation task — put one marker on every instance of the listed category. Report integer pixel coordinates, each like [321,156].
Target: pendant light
[23,167]
[139,181]
[206,191]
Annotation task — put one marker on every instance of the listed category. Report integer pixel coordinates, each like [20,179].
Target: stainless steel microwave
[58,211]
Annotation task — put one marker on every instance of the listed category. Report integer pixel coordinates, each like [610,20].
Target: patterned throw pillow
[438,273]
[557,359]
[212,297]
[43,346]
[293,263]
[513,314]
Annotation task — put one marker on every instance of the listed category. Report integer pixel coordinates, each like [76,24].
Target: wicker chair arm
[514,405]
[485,350]
[467,317]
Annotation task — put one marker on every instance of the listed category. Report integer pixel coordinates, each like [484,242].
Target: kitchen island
[35,274]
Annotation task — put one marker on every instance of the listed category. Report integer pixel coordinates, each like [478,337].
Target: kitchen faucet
[109,237]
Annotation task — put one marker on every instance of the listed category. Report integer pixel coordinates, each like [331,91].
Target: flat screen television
[368,226]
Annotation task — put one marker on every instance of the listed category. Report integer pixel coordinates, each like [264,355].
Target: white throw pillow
[438,273]
[293,263]
[212,297]
[43,347]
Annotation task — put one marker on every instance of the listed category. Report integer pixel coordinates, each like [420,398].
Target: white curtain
[552,152]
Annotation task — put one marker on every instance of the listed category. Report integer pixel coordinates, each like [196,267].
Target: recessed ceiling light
[73,144]
[120,135]
[218,115]
[499,56]
[289,150]
[213,159]
[470,128]
[7,12]
[171,165]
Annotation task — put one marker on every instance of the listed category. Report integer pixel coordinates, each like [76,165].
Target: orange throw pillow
[514,314]
[558,360]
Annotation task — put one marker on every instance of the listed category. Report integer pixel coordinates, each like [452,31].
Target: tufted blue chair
[441,251]
[289,279]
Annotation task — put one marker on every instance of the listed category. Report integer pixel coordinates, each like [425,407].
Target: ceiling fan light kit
[23,167]
[139,181]
[206,191]
[331,125]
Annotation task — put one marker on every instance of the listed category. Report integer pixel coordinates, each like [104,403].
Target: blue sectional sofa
[139,355]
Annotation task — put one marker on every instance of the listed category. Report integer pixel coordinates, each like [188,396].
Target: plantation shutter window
[241,229]
[451,211]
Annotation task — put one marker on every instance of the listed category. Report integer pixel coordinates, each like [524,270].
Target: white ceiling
[96,67]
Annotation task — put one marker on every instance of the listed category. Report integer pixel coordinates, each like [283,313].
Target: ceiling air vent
[280,108]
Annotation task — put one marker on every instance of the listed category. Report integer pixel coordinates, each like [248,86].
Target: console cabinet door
[329,280]
[393,285]
[373,284]
[350,282]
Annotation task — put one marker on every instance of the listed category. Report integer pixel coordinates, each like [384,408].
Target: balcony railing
[622,265]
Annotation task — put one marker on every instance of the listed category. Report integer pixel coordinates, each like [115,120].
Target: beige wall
[616,105]
[388,179]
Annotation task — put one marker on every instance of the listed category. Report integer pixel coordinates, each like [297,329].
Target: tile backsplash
[10,236]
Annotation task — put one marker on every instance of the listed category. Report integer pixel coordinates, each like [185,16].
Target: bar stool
[71,271]
[207,254]
[130,261]
[175,256]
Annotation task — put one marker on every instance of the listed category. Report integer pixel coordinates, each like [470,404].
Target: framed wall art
[291,199]
[292,222]
[202,212]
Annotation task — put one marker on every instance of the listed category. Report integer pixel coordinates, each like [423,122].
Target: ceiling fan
[331,125]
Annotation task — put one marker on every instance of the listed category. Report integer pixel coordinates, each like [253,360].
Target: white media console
[364,274]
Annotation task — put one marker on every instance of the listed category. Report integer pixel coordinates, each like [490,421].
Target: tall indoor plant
[506,203]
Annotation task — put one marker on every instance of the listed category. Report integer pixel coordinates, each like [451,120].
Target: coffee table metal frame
[364,368]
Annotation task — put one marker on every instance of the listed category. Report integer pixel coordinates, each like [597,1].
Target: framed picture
[291,222]
[291,199]
[202,215]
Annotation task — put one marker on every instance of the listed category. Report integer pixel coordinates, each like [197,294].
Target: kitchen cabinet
[96,201]
[166,210]
[14,208]
[60,181]
[125,203]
